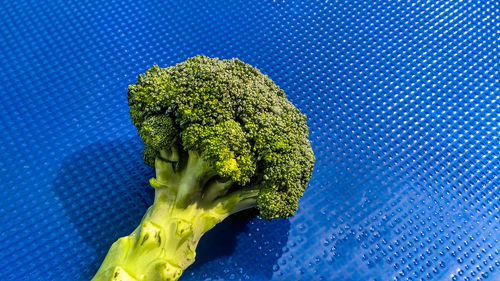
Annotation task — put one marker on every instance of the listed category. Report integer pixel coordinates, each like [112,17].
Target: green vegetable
[222,138]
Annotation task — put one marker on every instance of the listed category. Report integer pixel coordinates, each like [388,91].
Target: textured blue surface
[403,105]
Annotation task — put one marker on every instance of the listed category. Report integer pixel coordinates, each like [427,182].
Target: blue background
[402,99]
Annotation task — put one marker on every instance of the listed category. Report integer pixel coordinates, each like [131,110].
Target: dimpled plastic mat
[402,99]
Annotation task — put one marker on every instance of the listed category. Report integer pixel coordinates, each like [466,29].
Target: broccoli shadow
[104,192]
[240,247]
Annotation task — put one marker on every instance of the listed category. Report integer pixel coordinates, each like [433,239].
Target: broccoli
[222,138]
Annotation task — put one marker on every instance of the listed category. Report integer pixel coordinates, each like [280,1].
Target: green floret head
[157,132]
[235,118]
[225,146]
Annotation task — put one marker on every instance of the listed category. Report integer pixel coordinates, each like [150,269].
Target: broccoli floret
[222,138]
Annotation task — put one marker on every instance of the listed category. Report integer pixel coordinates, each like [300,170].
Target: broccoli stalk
[164,244]
[222,138]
